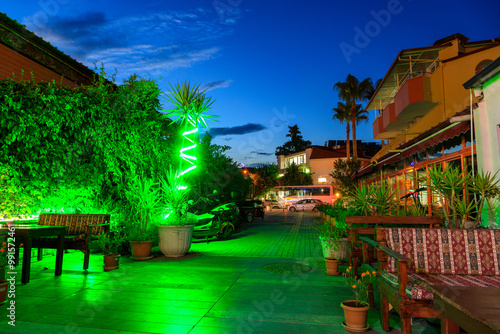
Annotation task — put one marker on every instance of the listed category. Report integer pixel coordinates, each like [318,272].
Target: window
[483,64]
[322,179]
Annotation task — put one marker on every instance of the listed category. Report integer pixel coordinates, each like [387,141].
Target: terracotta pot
[4,287]
[175,241]
[141,250]
[355,316]
[111,262]
[332,266]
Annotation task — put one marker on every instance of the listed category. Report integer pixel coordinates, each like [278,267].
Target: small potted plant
[356,311]
[331,239]
[144,199]
[175,231]
[111,244]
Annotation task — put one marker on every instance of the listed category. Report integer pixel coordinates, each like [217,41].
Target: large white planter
[328,251]
[175,241]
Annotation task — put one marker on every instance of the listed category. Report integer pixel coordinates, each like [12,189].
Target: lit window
[322,179]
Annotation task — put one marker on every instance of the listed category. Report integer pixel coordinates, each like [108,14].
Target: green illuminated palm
[191,104]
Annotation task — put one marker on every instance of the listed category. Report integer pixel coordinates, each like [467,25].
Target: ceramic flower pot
[332,266]
[355,316]
[175,241]
[111,262]
[141,250]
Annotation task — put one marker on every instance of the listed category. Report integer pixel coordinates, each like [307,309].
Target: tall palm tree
[343,114]
[352,91]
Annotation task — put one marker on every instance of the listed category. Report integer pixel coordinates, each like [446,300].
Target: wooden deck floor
[222,287]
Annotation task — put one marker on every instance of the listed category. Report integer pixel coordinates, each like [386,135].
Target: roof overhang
[407,61]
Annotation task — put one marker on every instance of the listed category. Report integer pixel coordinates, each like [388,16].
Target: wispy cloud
[216,84]
[236,130]
[262,153]
[145,44]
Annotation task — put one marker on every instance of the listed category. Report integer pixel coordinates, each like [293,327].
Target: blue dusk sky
[267,64]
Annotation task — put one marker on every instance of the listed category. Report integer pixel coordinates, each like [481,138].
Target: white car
[304,205]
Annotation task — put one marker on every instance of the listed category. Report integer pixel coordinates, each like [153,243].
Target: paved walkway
[279,234]
[225,287]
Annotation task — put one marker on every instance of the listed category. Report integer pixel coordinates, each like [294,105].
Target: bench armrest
[369,241]
[398,256]
[403,263]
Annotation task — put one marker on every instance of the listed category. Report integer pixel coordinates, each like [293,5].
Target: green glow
[492,80]
[191,106]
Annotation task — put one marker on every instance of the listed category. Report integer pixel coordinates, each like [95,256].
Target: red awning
[456,130]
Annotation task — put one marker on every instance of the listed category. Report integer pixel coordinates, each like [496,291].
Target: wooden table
[475,309]
[24,233]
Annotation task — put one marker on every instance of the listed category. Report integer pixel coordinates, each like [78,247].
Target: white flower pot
[175,241]
[328,251]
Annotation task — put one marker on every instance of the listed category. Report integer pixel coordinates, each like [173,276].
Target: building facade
[423,113]
[319,161]
[25,56]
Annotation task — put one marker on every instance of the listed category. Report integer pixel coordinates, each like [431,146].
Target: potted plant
[356,311]
[331,240]
[143,195]
[111,244]
[176,227]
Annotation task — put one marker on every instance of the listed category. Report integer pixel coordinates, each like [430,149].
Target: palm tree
[343,114]
[361,116]
[352,91]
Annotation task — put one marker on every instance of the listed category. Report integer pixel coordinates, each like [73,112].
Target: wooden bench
[413,259]
[361,228]
[81,229]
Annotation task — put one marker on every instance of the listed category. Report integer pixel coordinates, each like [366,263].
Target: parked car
[273,203]
[305,205]
[250,209]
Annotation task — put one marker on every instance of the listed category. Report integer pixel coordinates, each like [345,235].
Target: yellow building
[422,111]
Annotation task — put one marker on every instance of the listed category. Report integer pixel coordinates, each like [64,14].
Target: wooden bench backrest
[76,223]
[445,251]
[375,221]
[394,220]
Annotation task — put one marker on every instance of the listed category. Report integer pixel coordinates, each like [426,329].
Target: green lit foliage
[190,111]
[342,174]
[265,178]
[216,172]
[294,176]
[13,203]
[176,199]
[88,140]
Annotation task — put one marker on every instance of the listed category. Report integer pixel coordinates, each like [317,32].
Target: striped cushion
[446,251]
[76,224]
[417,283]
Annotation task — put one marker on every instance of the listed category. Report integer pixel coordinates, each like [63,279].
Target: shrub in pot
[143,195]
[331,239]
[175,231]
[111,244]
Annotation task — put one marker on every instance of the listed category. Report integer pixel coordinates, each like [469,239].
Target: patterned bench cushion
[417,283]
[446,251]
[76,224]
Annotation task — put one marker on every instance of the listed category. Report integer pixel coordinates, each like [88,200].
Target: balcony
[382,127]
[413,100]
